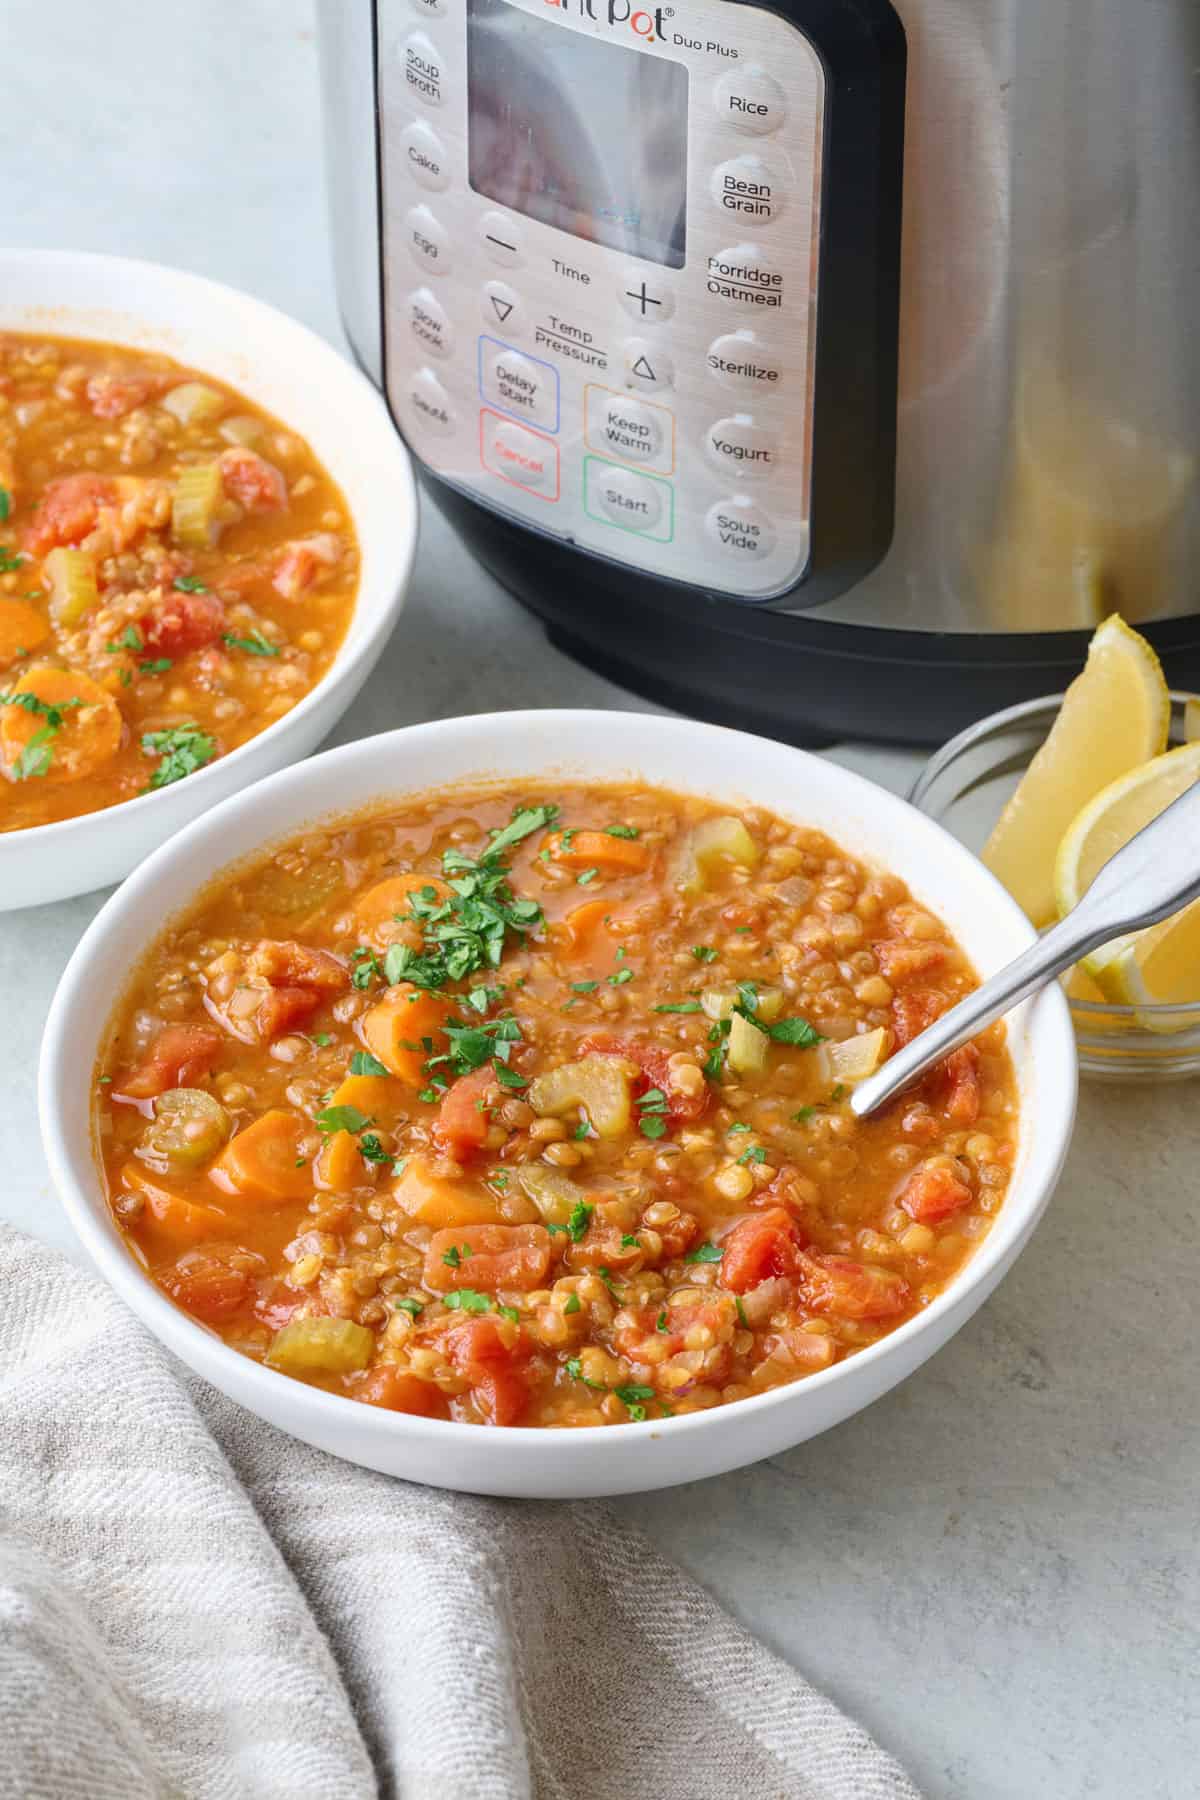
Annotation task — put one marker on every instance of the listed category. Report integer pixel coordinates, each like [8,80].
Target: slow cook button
[423,69]
[739,361]
[741,446]
[429,323]
[427,240]
[521,385]
[425,157]
[518,456]
[431,403]
[740,529]
[748,189]
[625,499]
[746,276]
[751,101]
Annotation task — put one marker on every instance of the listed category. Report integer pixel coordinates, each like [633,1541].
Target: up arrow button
[502,306]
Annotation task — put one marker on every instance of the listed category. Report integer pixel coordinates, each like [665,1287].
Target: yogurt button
[740,529]
[741,446]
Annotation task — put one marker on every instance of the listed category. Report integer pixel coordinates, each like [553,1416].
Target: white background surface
[995,1567]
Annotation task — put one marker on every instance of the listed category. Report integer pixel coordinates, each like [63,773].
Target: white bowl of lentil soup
[207,524]
[484,1120]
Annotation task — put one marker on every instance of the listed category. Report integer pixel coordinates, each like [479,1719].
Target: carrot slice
[266,1160]
[22,629]
[187,1221]
[394,1028]
[596,849]
[380,907]
[80,725]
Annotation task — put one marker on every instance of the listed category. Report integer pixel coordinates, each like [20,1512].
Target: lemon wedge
[1160,966]
[1191,720]
[1116,716]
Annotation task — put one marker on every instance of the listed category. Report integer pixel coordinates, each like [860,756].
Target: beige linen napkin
[194,1605]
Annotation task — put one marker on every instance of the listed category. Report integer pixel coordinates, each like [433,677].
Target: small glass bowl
[965,786]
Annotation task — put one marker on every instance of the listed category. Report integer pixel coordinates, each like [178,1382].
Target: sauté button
[647,368]
[739,444]
[500,238]
[431,403]
[751,101]
[518,455]
[748,189]
[521,385]
[740,529]
[429,323]
[739,361]
[501,305]
[647,302]
[427,240]
[425,156]
[422,69]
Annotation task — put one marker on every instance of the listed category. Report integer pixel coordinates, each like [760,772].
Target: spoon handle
[1154,875]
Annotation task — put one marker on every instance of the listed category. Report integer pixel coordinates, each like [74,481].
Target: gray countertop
[993,1568]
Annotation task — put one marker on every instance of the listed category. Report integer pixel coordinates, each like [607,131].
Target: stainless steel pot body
[1049,393]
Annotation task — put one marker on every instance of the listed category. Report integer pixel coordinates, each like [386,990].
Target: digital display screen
[587,136]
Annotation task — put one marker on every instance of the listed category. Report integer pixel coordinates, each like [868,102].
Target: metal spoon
[1156,874]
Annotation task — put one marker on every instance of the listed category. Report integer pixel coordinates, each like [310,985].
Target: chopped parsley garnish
[414,1308]
[573,1304]
[704,1253]
[704,953]
[254,645]
[183,749]
[363,1063]
[680,1006]
[587,875]
[622,831]
[466,1300]
[342,1118]
[755,1154]
[371,1149]
[188,584]
[653,1110]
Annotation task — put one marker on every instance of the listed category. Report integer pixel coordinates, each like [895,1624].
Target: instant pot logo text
[645,24]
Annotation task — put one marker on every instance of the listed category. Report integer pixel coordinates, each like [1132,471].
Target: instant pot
[826,367]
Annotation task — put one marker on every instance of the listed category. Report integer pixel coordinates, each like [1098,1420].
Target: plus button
[642,304]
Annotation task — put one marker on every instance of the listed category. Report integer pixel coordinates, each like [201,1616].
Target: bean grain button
[738,443]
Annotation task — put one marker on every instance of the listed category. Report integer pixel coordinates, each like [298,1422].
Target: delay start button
[740,529]
[751,101]
[738,443]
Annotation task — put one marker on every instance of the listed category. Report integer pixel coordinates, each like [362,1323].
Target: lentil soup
[177,570]
[539,1116]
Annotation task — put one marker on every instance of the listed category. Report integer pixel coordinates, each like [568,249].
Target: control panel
[601,242]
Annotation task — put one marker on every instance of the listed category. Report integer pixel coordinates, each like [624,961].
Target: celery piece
[70,575]
[194,403]
[748,1046]
[199,492]
[599,1084]
[321,1347]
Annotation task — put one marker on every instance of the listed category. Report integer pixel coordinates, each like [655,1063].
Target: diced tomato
[207,1284]
[112,396]
[961,1071]
[67,511]
[283,1009]
[488,1258]
[182,622]
[493,1354]
[900,958]
[396,1391]
[302,562]
[915,1012]
[252,481]
[180,1056]
[462,1121]
[655,1065]
[759,1247]
[934,1192]
[835,1284]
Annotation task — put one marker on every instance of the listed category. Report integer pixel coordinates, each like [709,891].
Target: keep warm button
[739,444]
[522,386]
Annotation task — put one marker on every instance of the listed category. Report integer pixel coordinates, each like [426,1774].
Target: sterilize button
[741,446]
[646,366]
[427,240]
[501,305]
[423,69]
[431,403]
[429,323]
[500,238]
[751,101]
[748,189]
[646,301]
[740,529]
[739,361]
[425,156]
